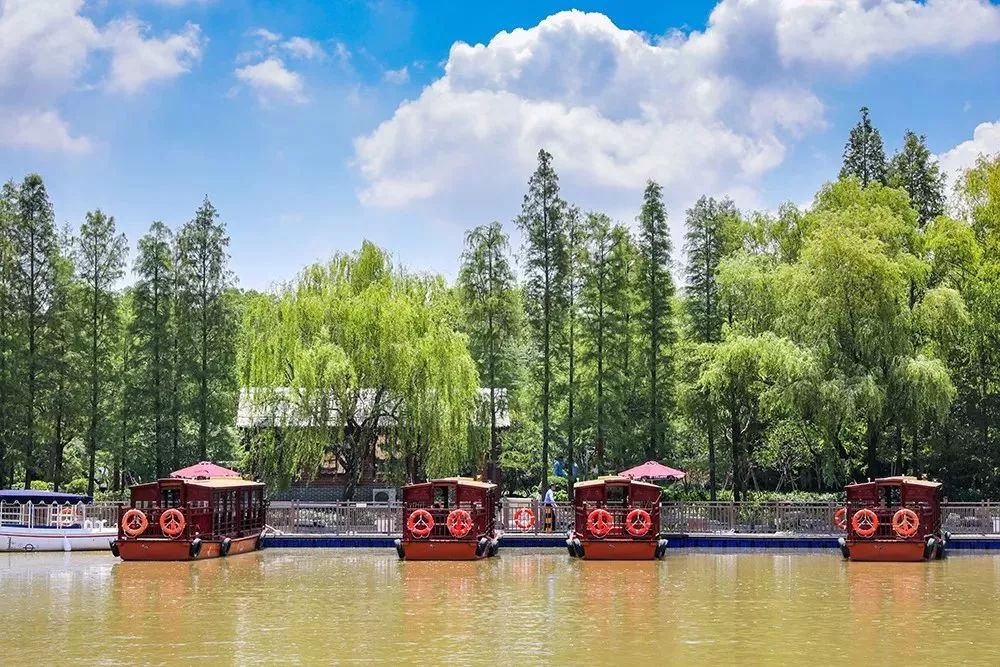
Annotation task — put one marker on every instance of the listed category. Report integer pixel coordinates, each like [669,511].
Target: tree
[8,330]
[575,259]
[351,351]
[595,311]
[706,244]
[490,300]
[864,157]
[915,170]
[657,299]
[100,262]
[151,338]
[34,241]
[211,327]
[542,223]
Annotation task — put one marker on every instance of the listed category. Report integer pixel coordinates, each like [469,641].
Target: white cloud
[985,141]
[41,130]
[271,80]
[302,47]
[265,34]
[47,51]
[137,60]
[712,111]
[397,76]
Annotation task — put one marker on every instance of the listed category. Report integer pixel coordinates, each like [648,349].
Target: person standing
[550,508]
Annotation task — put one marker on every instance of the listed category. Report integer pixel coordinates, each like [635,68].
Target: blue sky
[313,125]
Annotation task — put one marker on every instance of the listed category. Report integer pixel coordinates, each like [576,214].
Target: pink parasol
[653,470]
[204,470]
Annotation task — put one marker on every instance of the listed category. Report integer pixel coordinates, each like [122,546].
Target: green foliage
[915,170]
[864,157]
[350,350]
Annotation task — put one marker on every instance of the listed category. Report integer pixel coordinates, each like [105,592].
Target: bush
[77,485]
[39,485]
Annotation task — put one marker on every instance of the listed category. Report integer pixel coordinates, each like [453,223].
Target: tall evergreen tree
[8,222]
[211,327]
[914,169]
[864,157]
[706,244]
[151,338]
[34,242]
[658,325]
[595,311]
[542,223]
[490,303]
[575,259]
[100,263]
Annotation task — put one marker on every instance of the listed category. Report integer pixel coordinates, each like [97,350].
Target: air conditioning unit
[383,495]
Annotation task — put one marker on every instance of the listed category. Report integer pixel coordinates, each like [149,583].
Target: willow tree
[490,303]
[351,354]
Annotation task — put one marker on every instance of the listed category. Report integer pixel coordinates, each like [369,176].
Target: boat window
[891,496]
[615,495]
[170,497]
[444,496]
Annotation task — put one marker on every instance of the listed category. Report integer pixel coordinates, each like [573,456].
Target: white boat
[47,521]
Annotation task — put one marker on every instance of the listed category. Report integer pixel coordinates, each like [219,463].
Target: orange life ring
[524,518]
[172,523]
[905,522]
[420,523]
[459,523]
[864,522]
[134,523]
[599,523]
[638,522]
[840,518]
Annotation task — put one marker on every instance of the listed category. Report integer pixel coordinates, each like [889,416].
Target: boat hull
[13,538]
[886,551]
[618,549]
[442,550]
[164,549]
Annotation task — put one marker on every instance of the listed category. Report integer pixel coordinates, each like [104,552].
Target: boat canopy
[41,497]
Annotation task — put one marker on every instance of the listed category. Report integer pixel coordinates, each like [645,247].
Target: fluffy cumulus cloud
[709,111]
[985,141]
[272,81]
[47,50]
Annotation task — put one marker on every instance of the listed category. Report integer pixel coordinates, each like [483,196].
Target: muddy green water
[304,606]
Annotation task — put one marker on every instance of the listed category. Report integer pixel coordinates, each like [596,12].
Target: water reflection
[305,606]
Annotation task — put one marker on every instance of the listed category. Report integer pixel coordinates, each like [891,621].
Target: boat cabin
[892,518]
[449,519]
[219,512]
[616,518]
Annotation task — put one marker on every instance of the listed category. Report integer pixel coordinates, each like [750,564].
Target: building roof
[900,479]
[39,497]
[204,470]
[464,481]
[263,407]
[222,482]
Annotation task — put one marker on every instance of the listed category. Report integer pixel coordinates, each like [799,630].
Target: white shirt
[550,498]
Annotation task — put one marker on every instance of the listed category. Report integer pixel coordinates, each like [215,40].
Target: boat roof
[222,482]
[464,481]
[30,496]
[900,479]
[614,479]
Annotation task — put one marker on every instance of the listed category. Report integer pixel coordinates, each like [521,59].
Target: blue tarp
[24,496]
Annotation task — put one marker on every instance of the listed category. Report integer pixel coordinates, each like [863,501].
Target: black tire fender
[399,549]
[844,549]
[114,548]
[661,549]
[225,546]
[494,548]
[195,547]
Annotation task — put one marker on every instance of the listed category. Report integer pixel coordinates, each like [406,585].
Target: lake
[295,606]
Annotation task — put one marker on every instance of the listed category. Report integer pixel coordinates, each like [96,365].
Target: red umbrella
[653,470]
[204,470]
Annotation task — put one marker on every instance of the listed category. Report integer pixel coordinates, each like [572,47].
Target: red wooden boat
[449,519]
[617,518]
[892,519]
[191,519]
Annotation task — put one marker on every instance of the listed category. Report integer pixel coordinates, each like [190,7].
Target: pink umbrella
[653,470]
[204,470]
